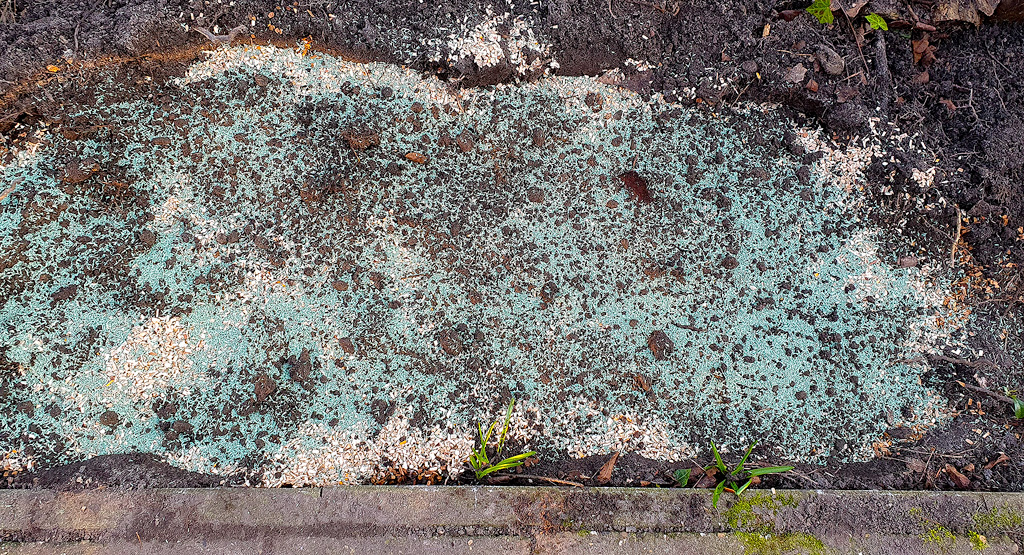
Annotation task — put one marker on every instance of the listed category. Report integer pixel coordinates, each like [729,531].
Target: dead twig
[220,39]
[986,391]
[546,479]
[9,190]
[860,50]
[951,360]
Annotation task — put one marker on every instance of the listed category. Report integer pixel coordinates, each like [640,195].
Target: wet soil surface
[956,90]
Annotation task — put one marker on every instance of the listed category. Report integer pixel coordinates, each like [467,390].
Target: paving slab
[506,520]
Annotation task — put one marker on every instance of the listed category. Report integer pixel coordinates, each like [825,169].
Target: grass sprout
[732,479]
[479,459]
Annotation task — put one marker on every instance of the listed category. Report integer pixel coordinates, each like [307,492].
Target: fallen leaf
[851,7]
[812,85]
[924,52]
[916,465]
[920,46]
[969,11]
[969,468]
[921,78]
[416,157]
[998,461]
[790,15]
[948,104]
[959,480]
[707,478]
[52,68]
[796,74]
[844,94]
[605,475]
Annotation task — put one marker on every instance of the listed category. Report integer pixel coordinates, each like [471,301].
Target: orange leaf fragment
[416,157]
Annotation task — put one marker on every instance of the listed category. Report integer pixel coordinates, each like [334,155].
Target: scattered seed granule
[261,291]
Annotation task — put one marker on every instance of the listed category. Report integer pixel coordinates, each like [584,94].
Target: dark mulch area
[962,95]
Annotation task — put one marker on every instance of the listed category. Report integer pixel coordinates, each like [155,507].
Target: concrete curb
[506,520]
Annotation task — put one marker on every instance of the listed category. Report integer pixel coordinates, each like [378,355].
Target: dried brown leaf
[605,475]
[998,461]
[916,466]
[969,11]
[796,74]
[959,480]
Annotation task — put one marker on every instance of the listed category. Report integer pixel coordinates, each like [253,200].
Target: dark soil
[964,99]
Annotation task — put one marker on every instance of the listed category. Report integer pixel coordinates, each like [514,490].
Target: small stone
[147,237]
[730,262]
[908,261]
[749,66]
[347,345]
[534,194]
[660,344]
[830,60]
[417,107]
[801,395]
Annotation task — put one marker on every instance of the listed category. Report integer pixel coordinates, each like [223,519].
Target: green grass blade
[682,476]
[518,457]
[1018,408]
[718,493]
[718,459]
[744,487]
[770,470]
[744,459]
[504,429]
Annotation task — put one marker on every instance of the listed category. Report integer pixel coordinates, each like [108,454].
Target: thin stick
[989,392]
[859,49]
[6,193]
[546,479]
